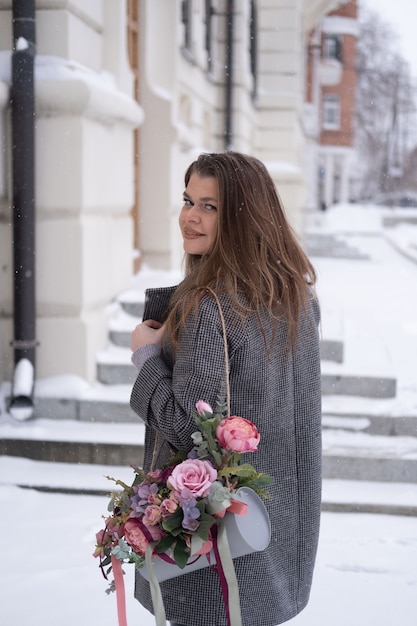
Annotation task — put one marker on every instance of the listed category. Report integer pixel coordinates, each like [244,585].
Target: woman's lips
[191,234]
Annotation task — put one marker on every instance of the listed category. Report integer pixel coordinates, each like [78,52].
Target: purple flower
[145,494]
[190,511]
[191,515]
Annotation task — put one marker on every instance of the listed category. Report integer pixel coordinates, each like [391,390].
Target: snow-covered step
[338,495]
[62,477]
[388,425]
[114,366]
[85,410]
[332,246]
[369,497]
[120,338]
[344,384]
[126,315]
[332,350]
[72,441]
[372,376]
[361,456]
[346,455]
[133,307]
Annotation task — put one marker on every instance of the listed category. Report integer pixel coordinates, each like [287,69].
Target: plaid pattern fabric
[280,392]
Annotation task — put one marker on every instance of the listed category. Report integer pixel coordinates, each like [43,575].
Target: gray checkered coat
[278,391]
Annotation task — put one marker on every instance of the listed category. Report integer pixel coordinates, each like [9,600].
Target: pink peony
[202,407]
[237,434]
[195,475]
[136,538]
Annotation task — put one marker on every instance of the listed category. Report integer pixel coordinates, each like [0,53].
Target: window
[332,47]
[331,112]
[253,46]
[186,18]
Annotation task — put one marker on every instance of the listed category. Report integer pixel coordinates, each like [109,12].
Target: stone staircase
[103,431]
[372,459]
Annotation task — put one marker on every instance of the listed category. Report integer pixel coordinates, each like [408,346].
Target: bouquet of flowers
[175,511]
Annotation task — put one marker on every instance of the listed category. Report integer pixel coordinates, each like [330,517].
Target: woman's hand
[146,333]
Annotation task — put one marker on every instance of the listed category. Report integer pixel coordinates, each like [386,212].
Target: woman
[238,243]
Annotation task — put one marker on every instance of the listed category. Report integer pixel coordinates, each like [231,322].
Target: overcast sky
[402,15]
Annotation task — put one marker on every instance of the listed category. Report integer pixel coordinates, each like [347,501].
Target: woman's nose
[192,214]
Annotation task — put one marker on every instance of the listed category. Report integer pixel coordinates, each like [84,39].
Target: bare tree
[385,107]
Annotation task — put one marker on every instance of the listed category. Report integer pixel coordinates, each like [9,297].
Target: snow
[49,67]
[22,44]
[365,571]
[63,430]
[374,300]
[23,378]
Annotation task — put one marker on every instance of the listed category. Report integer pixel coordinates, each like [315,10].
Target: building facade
[332,60]
[127,93]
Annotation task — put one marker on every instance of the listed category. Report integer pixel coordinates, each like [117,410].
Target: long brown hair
[256,252]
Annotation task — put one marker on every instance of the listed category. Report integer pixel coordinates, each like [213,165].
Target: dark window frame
[332,47]
[186,19]
[332,112]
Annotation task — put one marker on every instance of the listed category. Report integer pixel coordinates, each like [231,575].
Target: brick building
[331,87]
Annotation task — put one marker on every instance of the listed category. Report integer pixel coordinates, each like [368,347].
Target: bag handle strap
[226,352]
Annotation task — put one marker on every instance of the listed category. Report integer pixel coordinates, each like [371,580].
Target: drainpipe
[228,143]
[23,113]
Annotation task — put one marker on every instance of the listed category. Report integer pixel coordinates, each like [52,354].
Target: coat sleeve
[165,397]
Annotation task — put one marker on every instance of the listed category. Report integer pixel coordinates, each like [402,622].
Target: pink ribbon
[120,590]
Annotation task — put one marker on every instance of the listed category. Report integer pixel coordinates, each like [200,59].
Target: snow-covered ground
[366,567]
[366,572]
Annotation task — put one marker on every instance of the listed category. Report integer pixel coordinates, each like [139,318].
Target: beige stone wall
[85,116]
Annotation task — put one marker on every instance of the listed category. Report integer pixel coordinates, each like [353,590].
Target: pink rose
[136,538]
[195,475]
[168,506]
[237,434]
[202,407]
[152,515]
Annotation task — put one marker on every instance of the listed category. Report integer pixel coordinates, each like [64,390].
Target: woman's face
[199,214]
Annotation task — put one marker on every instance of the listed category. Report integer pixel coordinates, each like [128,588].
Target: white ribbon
[226,563]
[157,601]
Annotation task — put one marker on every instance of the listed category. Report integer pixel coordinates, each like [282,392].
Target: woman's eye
[202,207]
